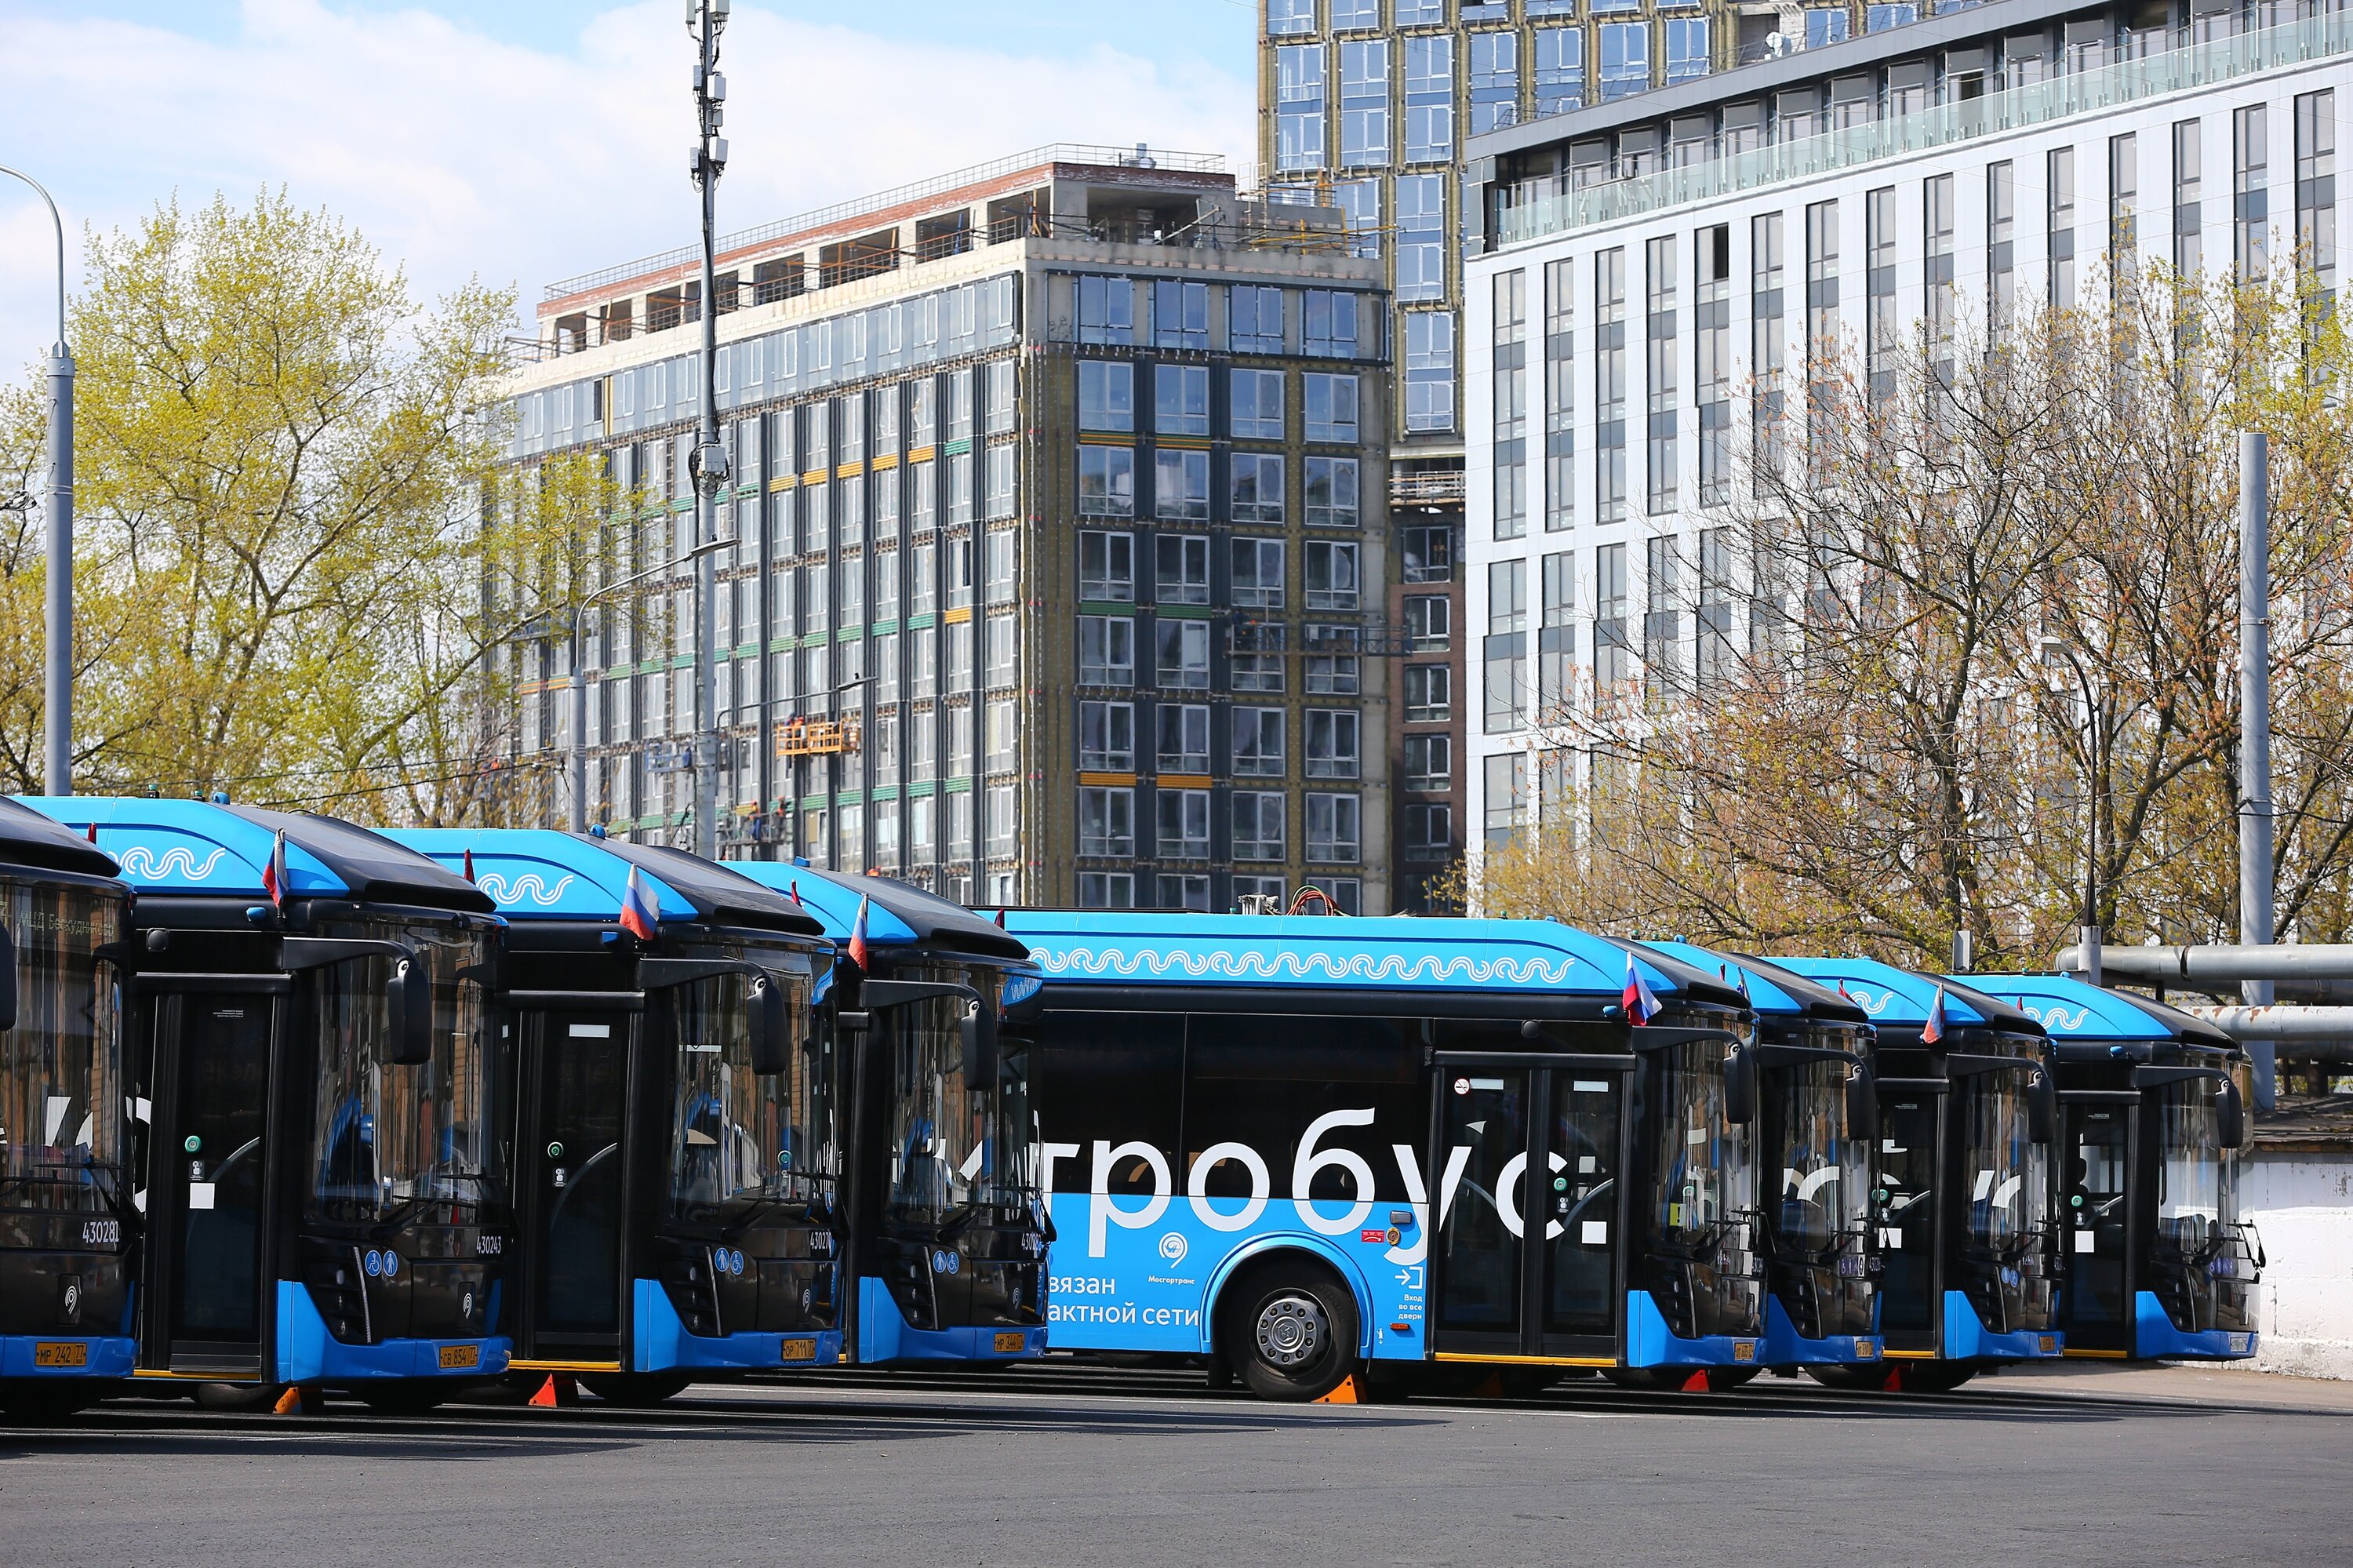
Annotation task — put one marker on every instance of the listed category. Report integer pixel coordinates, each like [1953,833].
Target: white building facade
[1630,267]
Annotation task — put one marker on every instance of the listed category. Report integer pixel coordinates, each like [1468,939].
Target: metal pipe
[2286,1024]
[2256,887]
[56,651]
[2220,966]
[711,463]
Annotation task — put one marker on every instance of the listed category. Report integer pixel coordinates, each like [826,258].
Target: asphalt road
[1097,1467]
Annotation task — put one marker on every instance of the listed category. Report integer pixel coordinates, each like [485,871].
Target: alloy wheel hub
[1291,1330]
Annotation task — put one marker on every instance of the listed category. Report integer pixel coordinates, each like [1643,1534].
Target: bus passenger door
[1908,1208]
[1496,1293]
[2098,1133]
[568,1182]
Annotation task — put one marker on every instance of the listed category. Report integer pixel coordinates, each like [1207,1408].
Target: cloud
[459,155]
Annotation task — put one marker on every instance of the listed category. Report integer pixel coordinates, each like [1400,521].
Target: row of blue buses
[333,1111]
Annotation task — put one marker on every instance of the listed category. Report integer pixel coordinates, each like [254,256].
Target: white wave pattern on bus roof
[1252,964]
[177,863]
[1861,997]
[524,888]
[2056,1016]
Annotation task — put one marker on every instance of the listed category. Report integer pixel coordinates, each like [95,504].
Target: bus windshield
[955,1145]
[1703,1179]
[737,1136]
[2197,1178]
[61,1106]
[2007,1171]
[390,1139]
[1825,1183]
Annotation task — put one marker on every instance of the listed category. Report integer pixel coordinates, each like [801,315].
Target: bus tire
[237,1397]
[1289,1329]
[1858,1378]
[638,1391]
[1933,1377]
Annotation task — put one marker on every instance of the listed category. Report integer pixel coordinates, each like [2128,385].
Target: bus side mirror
[1740,1086]
[410,997]
[2233,1116]
[979,1029]
[1861,1105]
[770,1029]
[2041,1108]
[7,980]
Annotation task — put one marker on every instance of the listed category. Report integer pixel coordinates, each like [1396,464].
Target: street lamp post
[56,713]
[580,678]
[705,20]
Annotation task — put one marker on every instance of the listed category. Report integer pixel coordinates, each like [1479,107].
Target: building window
[1429,622]
[1880,322]
[1429,99]
[1561,396]
[1258,743]
[1107,396]
[1510,382]
[1365,104]
[1349,16]
[1822,347]
[1507,795]
[1609,384]
[1256,487]
[1180,489]
[1287,18]
[1000,478]
[1299,107]
[1714,604]
[1346,893]
[1331,736]
[1180,316]
[1612,655]
[1505,650]
[1258,656]
[1107,481]
[1181,568]
[2124,200]
[1360,202]
[1331,408]
[1429,828]
[1660,332]
[1184,738]
[1625,59]
[2058,186]
[1106,650]
[1257,824]
[1429,552]
[1333,824]
[2316,189]
[1107,566]
[1257,567]
[1106,890]
[1001,548]
[1559,70]
[1189,893]
[1256,413]
[1332,581]
[1331,491]
[1429,693]
[1332,319]
[2001,248]
[1661,620]
[1254,319]
[1332,658]
[1429,761]
[1687,54]
[1712,262]
[2189,198]
[1556,633]
[1106,314]
[1107,738]
[1107,821]
[1003,839]
[1429,370]
[999,651]
[1183,649]
[1181,401]
[1184,823]
[1421,238]
[1494,80]
[2251,204]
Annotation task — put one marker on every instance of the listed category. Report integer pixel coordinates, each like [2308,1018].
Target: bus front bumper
[2154,1336]
[307,1352]
[661,1344]
[1651,1343]
[66,1355]
[1966,1338]
[1784,1347]
[884,1335]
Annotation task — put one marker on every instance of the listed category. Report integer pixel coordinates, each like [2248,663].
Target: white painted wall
[2304,1205]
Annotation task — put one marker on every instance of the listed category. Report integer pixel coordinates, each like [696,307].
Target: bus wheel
[1934,1377]
[1290,1331]
[637,1390]
[408,1396]
[1856,1379]
[237,1395]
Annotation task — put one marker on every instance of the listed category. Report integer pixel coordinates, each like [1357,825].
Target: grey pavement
[1084,1466]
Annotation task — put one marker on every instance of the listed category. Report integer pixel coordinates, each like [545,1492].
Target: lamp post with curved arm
[57,714]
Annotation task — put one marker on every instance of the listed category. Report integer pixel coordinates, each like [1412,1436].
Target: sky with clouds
[522,141]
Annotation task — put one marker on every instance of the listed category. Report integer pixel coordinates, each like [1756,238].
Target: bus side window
[1261,1082]
[1113,1079]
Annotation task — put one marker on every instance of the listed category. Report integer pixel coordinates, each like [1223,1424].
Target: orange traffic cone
[1347,1393]
[289,1402]
[557,1392]
[546,1398]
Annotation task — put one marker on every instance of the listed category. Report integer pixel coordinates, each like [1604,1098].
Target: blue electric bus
[1303,1147]
[1818,1114]
[1963,1207]
[2152,1118]
[947,1244]
[67,1223]
[318,1084]
[675,1126]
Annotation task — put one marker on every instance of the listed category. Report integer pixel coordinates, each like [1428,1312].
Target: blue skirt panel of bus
[2154,1335]
[1126,1276]
[37,1355]
[1651,1343]
[884,1335]
[662,1345]
[1784,1347]
[1966,1338]
[308,1353]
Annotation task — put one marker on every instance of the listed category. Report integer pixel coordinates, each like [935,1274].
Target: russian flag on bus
[1640,1005]
[273,875]
[858,935]
[1932,1030]
[640,908]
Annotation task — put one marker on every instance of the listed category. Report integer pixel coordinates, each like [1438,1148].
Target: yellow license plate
[60,1353]
[457,1358]
[1744,1350]
[797,1350]
[1865,1351]
[2047,1344]
[1008,1344]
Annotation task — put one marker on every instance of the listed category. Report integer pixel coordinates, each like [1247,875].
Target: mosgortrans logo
[1173,1247]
